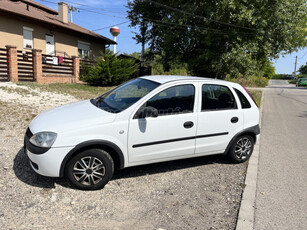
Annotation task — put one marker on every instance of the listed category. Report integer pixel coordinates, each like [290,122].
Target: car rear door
[219,119]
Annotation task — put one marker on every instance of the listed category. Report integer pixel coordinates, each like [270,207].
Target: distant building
[27,25]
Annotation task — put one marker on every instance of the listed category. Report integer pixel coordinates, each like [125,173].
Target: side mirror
[146,112]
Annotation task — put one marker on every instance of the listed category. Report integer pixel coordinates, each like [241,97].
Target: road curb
[247,207]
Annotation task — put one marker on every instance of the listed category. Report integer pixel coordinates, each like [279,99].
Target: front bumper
[48,163]
[45,161]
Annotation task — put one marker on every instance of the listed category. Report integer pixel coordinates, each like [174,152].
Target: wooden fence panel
[4,75]
[53,65]
[25,66]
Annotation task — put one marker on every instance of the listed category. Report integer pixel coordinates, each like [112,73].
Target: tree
[108,70]
[268,70]
[303,69]
[216,38]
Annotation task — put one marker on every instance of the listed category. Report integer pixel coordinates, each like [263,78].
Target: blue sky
[96,14]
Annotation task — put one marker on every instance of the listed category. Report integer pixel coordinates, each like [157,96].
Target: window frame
[82,46]
[166,88]
[238,92]
[25,40]
[216,110]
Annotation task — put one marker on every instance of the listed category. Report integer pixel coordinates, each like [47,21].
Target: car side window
[217,97]
[244,102]
[174,100]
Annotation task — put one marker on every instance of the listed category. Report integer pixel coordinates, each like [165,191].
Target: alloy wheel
[243,148]
[89,170]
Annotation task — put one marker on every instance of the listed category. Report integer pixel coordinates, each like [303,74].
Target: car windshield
[125,95]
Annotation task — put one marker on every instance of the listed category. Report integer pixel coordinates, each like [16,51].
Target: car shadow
[25,173]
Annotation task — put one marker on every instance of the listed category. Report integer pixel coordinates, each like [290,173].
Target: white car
[146,120]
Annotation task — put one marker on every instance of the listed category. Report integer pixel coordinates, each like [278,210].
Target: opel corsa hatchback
[146,120]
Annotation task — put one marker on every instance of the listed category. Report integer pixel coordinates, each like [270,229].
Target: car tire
[90,170]
[241,149]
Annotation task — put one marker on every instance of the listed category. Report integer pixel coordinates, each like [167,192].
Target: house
[28,25]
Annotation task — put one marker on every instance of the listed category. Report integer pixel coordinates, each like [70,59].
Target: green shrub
[279,76]
[108,70]
[157,69]
[178,71]
[253,81]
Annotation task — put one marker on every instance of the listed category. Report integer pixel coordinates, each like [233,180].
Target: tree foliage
[108,70]
[303,69]
[219,38]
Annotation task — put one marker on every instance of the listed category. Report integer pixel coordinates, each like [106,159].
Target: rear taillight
[250,95]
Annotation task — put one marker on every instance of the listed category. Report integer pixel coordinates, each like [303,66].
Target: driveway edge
[247,207]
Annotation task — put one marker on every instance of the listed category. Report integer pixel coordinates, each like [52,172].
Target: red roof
[44,14]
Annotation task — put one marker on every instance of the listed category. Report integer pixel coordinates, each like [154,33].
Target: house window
[27,38]
[83,49]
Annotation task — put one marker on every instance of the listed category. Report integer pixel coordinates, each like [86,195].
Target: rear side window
[244,102]
[174,100]
[217,97]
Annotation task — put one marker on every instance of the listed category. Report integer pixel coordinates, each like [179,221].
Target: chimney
[63,12]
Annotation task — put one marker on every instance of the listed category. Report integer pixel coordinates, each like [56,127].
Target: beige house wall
[11,33]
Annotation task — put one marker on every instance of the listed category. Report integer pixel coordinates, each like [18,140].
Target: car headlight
[43,139]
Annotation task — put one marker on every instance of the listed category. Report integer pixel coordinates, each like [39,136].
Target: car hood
[71,117]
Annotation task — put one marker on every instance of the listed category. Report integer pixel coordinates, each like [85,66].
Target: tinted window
[124,95]
[244,102]
[217,97]
[174,100]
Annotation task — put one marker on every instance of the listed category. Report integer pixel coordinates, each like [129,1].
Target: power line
[79,4]
[163,23]
[303,55]
[198,16]
[110,26]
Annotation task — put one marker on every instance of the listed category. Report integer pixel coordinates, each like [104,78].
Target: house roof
[44,14]
[40,6]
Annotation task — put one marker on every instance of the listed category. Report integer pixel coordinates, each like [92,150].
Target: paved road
[281,199]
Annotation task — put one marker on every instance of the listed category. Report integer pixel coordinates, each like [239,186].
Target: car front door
[219,119]
[169,131]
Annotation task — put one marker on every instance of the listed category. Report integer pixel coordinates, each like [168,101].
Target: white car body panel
[49,162]
[82,122]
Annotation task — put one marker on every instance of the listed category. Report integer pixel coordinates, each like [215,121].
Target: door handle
[188,124]
[234,120]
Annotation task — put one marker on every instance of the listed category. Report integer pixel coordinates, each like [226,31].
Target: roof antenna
[70,10]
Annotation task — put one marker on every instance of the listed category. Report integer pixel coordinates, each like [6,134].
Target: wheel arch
[252,131]
[115,152]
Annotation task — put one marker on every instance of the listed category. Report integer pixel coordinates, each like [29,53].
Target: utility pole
[71,9]
[295,65]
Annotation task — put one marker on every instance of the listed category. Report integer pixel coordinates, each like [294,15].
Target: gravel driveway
[200,193]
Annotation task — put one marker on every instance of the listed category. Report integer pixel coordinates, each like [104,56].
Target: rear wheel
[91,169]
[241,149]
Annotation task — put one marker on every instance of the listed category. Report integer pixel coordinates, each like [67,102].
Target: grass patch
[20,91]
[292,81]
[257,94]
[250,82]
[79,91]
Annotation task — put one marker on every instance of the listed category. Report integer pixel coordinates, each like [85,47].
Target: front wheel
[241,149]
[90,170]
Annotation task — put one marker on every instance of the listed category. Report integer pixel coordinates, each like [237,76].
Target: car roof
[162,79]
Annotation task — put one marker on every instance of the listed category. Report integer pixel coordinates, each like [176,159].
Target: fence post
[76,68]
[37,66]
[12,63]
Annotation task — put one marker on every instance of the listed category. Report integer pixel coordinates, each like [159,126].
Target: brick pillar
[76,68]
[12,63]
[37,66]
